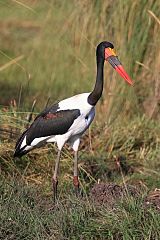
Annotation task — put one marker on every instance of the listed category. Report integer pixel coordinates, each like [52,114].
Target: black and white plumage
[66,121]
[60,123]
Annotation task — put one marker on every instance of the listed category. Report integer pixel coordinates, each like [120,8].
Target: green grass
[27,214]
[57,42]
[48,50]
[27,209]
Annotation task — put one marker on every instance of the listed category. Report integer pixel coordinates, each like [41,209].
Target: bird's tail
[21,147]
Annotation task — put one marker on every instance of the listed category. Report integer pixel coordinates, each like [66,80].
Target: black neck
[98,88]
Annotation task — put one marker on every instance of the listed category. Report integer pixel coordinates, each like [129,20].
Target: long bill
[111,57]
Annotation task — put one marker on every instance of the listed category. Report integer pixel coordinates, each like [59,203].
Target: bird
[67,120]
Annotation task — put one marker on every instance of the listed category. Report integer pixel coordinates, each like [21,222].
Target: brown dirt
[110,193]
[153,199]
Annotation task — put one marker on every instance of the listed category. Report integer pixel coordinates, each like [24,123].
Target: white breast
[77,102]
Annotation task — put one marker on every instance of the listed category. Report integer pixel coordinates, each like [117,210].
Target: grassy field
[47,53]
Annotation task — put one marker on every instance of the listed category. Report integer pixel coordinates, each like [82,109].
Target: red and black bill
[111,57]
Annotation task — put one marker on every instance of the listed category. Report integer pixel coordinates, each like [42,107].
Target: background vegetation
[47,53]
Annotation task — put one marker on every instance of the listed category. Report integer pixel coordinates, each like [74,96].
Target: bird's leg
[75,173]
[55,179]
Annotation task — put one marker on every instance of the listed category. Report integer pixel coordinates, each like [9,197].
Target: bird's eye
[113,52]
[109,52]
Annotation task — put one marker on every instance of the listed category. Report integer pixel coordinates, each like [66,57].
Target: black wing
[52,109]
[51,123]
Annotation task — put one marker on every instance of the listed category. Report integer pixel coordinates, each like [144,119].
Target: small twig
[143,65]
[90,140]
[11,62]
[19,96]
[118,163]
[24,5]
[29,116]
[154,16]
[47,102]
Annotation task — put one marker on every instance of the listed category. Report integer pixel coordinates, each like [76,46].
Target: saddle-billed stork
[66,121]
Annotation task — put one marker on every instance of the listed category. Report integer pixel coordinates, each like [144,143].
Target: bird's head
[105,51]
